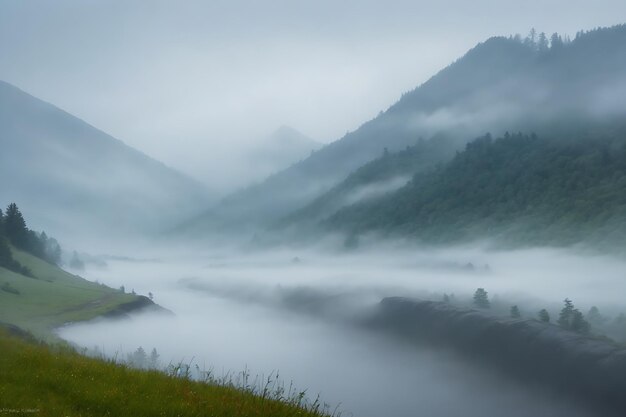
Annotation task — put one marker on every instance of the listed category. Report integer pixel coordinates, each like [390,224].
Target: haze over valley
[322,211]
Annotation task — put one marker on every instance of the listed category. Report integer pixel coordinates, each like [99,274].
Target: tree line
[541,42]
[570,318]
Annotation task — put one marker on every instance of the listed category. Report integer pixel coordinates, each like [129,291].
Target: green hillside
[51,297]
[36,294]
[520,189]
[38,380]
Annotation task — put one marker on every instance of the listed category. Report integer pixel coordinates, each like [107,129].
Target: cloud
[195,82]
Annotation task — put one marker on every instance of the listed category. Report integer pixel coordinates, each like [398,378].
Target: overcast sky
[192,82]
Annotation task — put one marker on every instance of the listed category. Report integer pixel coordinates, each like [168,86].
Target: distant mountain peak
[289,136]
[286,129]
[280,149]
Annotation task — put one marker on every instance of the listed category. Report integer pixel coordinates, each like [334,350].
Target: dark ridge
[591,369]
[140,304]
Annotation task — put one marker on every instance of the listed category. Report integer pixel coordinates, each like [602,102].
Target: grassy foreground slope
[54,380]
[53,297]
[43,381]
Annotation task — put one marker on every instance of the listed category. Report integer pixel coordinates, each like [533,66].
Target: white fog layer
[257,311]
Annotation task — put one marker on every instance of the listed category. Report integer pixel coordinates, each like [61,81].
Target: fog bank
[286,311]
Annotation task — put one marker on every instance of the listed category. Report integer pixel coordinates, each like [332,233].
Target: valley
[458,253]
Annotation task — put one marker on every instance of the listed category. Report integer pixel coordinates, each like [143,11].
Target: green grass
[42,379]
[54,381]
[54,297]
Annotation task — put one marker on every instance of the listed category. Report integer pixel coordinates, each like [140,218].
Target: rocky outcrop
[593,369]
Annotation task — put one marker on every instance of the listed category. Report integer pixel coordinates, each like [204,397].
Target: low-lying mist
[292,311]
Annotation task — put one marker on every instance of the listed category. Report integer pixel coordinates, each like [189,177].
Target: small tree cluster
[6,256]
[541,42]
[594,317]
[13,230]
[572,319]
[52,251]
[544,316]
[140,359]
[449,298]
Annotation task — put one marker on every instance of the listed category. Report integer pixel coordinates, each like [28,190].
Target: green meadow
[52,297]
[41,376]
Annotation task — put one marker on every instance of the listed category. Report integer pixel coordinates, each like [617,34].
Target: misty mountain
[389,172]
[284,147]
[72,177]
[503,84]
[519,189]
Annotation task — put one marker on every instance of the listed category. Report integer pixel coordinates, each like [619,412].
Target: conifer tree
[565,317]
[154,359]
[138,358]
[579,324]
[15,227]
[594,316]
[531,39]
[556,42]
[544,315]
[542,42]
[53,251]
[481,299]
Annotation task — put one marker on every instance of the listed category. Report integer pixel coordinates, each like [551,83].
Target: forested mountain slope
[385,174]
[520,188]
[502,84]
